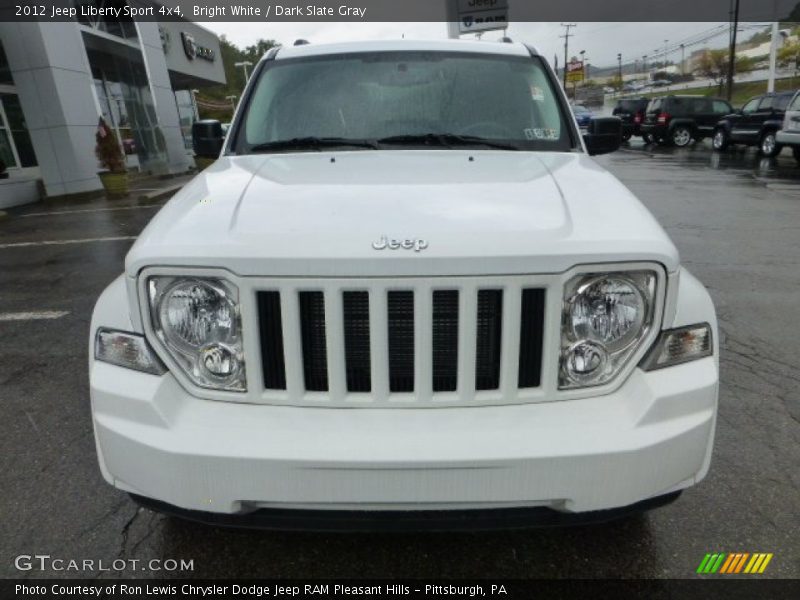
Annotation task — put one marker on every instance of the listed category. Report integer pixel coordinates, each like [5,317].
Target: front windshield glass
[390,98]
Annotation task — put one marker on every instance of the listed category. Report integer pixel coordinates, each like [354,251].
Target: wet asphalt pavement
[736,221]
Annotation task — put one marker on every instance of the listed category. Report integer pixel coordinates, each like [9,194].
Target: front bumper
[651,437]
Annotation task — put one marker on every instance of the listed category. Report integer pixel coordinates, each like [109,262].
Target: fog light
[127,350]
[676,346]
[219,361]
[585,361]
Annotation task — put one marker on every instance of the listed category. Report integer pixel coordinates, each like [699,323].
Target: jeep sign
[482,15]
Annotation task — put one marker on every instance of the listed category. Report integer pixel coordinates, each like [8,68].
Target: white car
[790,134]
[404,296]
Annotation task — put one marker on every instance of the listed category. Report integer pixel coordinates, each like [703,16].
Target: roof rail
[300,42]
[506,40]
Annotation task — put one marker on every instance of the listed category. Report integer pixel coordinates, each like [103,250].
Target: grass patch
[742,92]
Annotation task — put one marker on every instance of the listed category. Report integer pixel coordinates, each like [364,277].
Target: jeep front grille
[399,346]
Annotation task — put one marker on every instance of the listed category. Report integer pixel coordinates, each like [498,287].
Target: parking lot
[736,221]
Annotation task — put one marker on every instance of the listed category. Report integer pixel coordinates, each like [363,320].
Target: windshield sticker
[541,134]
[537,94]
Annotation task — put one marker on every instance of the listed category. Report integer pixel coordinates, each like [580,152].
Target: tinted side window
[700,106]
[721,108]
[781,102]
[751,105]
[677,106]
[767,103]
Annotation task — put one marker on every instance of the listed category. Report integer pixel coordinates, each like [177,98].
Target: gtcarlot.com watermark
[45,562]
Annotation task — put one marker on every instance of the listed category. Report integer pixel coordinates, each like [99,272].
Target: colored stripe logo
[734,562]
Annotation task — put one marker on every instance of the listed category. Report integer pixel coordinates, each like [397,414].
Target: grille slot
[400,311]
[273,362]
[444,340]
[312,329]
[356,341]
[530,338]
[488,338]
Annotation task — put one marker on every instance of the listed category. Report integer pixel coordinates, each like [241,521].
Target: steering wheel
[489,129]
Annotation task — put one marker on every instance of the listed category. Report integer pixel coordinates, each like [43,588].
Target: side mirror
[207,138]
[604,135]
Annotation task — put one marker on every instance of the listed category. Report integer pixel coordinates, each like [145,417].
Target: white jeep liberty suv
[404,296]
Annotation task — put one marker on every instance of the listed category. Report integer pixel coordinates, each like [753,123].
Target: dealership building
[58,78]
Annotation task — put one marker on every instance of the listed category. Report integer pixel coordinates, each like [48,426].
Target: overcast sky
[602,41]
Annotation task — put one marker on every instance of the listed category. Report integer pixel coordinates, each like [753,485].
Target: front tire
[721,140]
[681,136]
[768,146]
[626,137]
[648,138]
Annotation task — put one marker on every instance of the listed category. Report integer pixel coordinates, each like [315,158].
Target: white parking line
[34,316]
[88,210]
[61,242]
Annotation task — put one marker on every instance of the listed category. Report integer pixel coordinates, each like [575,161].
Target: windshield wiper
[312,143]
[447,140]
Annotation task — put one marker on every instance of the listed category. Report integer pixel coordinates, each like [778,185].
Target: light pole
[244,64]
[583,63]
[644,63]
[683,59]
[233,102]
[619,60]
[665,54]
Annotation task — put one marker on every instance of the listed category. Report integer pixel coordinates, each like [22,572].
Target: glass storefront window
[123,27]
[126,103]
[5,70]
[186,114]
[18,130]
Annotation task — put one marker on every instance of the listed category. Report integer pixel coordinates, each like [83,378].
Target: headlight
[605,318]
[198,321]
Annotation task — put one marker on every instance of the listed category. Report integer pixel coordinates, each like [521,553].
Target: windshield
[391,100]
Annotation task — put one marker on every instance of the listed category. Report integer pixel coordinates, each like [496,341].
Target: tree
[230,54]
[714,65]
[788,54]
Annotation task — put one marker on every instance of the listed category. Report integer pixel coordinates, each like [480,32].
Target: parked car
[681,119]
[383,306]
[583,115]
[661,83]
[755,124]
[631,111]
[789,135]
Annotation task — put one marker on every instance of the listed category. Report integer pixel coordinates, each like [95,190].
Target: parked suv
[679,120]
[404,295]
[790,134]
[631,111]
[756,124]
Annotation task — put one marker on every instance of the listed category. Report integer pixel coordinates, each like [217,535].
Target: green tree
[714,65]
[234,76]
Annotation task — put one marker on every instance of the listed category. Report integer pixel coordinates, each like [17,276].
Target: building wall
[55,85]
[52,78]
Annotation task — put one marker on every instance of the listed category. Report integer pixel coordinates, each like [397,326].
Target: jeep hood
[480,212]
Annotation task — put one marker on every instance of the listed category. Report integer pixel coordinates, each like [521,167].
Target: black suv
[680,119]
[631,112]
[755,124]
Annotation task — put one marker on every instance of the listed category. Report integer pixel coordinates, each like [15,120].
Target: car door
[704,117]
[742,124]
[790,134]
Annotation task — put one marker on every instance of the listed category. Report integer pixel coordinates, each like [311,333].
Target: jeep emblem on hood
[394,244]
